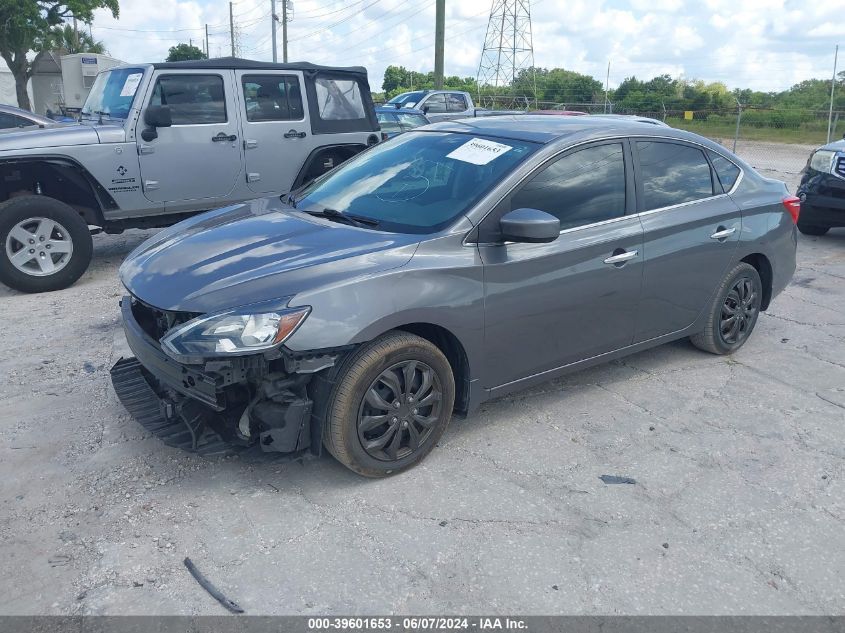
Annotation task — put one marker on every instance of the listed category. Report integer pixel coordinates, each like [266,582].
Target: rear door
[276,128]
[691,231]
[549,305]
[200,156]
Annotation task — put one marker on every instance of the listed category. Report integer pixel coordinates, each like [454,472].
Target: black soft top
[236,63]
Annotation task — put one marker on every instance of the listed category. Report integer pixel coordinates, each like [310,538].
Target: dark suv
[822,190]
[449,265]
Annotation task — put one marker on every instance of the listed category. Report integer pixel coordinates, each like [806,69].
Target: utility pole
[607,89]
[273,28]
[439,36]
[832,88]
[207,44]
[285,31]
[232,28]
[75,34]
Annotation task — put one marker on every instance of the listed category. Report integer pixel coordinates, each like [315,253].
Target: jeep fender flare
[41,174]
[342,148]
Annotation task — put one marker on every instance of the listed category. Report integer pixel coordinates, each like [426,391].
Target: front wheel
[391,404]
[44,244]
[733,312]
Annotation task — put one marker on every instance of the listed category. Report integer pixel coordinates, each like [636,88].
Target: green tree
[70,41]
[184,52]
[26,27]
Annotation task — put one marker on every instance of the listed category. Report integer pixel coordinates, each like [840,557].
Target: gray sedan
[12,117]
[452,264]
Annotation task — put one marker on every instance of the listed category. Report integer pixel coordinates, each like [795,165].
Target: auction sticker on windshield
[130,85]
[478,151]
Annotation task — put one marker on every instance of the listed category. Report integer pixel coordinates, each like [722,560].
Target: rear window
[725,170]
[388,122]
[339,99]
[672,174]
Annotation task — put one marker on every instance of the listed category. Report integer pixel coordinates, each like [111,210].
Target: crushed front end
[216,405]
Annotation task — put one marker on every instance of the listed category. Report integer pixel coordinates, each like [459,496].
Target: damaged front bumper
[222,405]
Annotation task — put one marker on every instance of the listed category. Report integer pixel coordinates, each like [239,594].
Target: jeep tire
[44,244]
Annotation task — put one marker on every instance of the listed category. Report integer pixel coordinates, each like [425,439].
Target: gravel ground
[738,506]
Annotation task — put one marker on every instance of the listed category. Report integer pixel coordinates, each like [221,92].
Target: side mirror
[158,116]
[425,109]
[529,225]
[155,116]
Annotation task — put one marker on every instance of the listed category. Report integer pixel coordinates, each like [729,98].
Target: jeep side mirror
[529,225]
[155,116]
[158,116]
[425,109]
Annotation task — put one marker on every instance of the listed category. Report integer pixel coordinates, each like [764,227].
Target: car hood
[58,135]
[835,146]
[256,251]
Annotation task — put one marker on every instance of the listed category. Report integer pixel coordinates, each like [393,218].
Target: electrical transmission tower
[507,51]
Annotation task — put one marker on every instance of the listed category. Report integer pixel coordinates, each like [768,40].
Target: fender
[58,177]
[346,148]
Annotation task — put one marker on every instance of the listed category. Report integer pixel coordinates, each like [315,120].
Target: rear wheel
[733,312]
[44,244]
[391,404]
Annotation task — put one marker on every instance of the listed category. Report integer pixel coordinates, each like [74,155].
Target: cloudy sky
[761,44]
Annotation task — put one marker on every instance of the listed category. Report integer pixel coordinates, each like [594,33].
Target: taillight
[793,206]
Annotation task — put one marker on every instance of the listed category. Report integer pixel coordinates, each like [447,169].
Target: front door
[277,130]
[691,229]
[549,305]
[199,157]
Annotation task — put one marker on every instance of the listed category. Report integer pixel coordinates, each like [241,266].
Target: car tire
[811,229]
[45,244]
[367,428]
[740,294]
[805,221]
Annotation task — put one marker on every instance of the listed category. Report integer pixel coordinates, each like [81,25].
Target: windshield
[407,99]
[418,182]
[113,92]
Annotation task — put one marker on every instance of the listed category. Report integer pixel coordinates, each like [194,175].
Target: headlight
[822,161]
[240,331]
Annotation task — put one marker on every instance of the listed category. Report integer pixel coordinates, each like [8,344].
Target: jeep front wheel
[44,244]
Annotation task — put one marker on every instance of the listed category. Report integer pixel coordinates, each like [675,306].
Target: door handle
[222,137]
[295,134]
[723,233]
[619,259]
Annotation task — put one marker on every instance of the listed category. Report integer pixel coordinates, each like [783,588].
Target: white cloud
[762,44]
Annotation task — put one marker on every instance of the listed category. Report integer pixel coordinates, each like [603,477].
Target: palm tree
[70,41]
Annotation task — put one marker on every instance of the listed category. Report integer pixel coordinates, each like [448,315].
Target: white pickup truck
[443,105]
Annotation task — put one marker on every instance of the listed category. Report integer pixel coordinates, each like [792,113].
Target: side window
[272,98]
[581,188]
[410,121]
[193,99]
[725,170]
[388,123]
[339,99]
[10,120]
[456,102]
[435,103]
[672,174]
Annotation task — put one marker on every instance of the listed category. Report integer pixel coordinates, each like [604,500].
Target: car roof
[237,63]
[399,110]
[542,128]
[26,114]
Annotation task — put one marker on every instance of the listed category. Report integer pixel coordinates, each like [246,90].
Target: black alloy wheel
[739,311]
[399,410]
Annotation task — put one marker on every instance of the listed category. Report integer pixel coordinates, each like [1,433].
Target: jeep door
[276,128]
[692,230]
[550,305]
[199,157]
